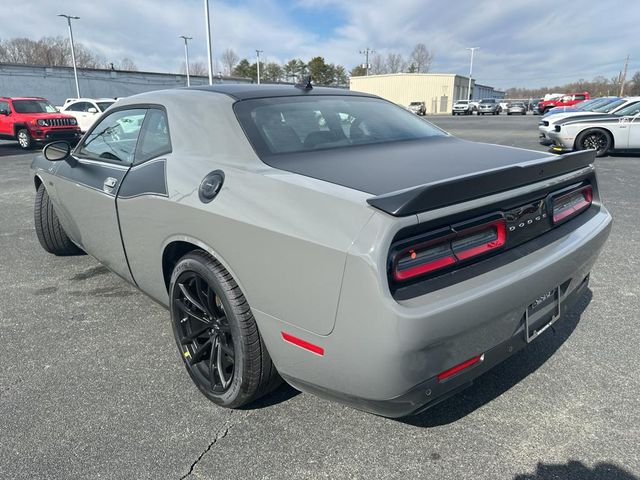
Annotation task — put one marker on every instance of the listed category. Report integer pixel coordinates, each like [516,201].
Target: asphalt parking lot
[91,385]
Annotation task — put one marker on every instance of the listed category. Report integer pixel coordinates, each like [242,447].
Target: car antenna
[305,84]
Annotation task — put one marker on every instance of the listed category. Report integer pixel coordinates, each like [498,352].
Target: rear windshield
[301,124]
[33,106]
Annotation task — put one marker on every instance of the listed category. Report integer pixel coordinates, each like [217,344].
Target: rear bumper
[384,355]
[433,391]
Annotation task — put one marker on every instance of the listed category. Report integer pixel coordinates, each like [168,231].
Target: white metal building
[439,91]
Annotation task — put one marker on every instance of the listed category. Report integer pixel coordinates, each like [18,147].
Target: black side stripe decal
[147,179]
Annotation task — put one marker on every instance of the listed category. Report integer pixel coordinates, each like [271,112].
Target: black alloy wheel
[597,140]
[204,333]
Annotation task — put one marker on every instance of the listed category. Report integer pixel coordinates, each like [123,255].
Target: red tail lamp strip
[587,198]
[501,234]
[424,268]
[298,342]
[458,368]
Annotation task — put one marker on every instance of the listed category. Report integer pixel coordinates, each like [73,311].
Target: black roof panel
[244,91]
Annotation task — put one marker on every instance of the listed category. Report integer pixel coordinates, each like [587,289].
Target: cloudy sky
[522,42]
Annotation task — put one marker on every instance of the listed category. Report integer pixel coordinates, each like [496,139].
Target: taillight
[570,204]
[453,246]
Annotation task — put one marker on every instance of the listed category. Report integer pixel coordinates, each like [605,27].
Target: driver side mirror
[4,112]
[57,151]
[92,110]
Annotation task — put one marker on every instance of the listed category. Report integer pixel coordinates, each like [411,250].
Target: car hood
[384,168]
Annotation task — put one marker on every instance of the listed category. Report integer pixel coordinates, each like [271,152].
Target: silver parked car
[326,237]
[516,108]
[489,106]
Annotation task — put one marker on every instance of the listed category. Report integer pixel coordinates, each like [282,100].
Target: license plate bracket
[551,299]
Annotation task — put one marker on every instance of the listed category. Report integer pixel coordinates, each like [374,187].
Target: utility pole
[73,51]
[186,56]
[258,52]
[623,79]
[472,49]
[208,25]
[366,53]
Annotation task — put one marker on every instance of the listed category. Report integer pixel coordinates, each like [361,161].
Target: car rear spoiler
[468,187]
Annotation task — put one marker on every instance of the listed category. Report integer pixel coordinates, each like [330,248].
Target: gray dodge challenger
[325,237]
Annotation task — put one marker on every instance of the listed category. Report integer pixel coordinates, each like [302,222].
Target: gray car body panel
[311,255]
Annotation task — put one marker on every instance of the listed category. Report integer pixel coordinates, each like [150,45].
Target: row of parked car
[34,120]
[490,106]
[604,124]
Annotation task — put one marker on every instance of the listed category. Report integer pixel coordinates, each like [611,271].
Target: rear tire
[50,233]
[24,139]
[215,331]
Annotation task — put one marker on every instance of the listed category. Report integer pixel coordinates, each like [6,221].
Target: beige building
[437,90]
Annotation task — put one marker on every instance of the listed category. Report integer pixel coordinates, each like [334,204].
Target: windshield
[488,101]
[415,104]
[606,108]
[299,124]
[104,105]
[632,109]
[33,106]
[463,101]
[588,104]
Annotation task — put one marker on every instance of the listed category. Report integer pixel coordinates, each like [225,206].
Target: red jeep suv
[34,120]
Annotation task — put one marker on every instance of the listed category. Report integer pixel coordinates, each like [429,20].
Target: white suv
[86,110]
[463,107]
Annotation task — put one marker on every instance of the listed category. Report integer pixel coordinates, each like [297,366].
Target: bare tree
[128,64]
[378,65]
[197,69]
[229,60]
[421,58]
[50,51]
[395,63]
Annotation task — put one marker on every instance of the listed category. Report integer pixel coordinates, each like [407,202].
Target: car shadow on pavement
[575,470]
[283,393]
[505,375]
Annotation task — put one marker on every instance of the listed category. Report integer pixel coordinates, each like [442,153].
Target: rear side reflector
[302,344]
[572,203]
[458,368]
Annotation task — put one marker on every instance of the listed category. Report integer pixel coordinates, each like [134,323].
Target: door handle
[109,184]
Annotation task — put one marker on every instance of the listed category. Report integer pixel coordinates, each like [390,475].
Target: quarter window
[154,137]
[114,139]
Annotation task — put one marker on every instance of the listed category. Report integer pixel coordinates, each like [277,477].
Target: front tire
[50,233]
[216,333]
[596,139]
[24,139]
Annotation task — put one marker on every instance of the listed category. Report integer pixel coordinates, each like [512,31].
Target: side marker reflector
[298,342]
[462,366]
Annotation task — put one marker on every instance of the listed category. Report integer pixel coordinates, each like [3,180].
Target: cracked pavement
[91,385]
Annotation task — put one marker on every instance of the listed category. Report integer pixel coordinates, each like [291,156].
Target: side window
[580,97]
[79,107]
[114,139]
[154,137]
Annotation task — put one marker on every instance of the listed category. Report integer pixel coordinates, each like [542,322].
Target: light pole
[473,49]
[366,53]
[208,25]
[186,56]
[73,51]
[258,52]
